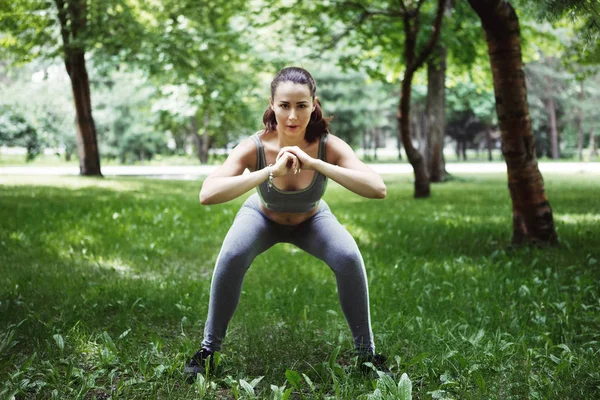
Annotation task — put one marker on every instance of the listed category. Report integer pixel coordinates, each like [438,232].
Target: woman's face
[292,104]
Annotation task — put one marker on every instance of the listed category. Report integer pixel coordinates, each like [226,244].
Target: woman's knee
[345,259]
[234,259]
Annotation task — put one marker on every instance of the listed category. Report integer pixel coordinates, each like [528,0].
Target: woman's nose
[292,114]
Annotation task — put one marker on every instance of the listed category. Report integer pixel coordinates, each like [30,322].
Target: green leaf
[247,388]
[404,388]
[333,357]
[60,342]
[108,342]
[293,378]
[310,383]
[255,381]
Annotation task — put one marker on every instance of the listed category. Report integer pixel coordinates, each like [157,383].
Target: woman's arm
[227,182]
[345,168]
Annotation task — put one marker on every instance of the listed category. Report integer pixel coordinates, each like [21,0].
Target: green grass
[104,289]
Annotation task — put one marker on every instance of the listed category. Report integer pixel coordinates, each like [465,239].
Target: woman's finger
[282,152]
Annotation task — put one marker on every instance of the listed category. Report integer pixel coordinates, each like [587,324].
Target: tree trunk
[488,138]
[205,138]
[553,129]
[375,142]
[399,142]
[435,115]
[593,144]
[580,123]
[73,19]
[413,62]
[415,159]
[416,128]
[201,142]
[532,214]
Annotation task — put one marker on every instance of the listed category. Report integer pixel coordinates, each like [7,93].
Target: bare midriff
[288,218]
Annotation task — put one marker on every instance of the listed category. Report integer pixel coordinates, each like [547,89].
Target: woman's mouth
[292,127]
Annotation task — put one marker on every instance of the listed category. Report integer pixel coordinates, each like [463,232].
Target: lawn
[104,288]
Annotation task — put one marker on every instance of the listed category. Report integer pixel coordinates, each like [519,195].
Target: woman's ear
[315,101]
[271,103]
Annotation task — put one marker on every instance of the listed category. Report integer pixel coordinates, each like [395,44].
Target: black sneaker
[379,362]
[197,364]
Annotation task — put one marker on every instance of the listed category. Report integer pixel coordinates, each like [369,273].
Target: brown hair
[317,126]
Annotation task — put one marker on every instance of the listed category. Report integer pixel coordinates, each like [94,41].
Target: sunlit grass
[104,289]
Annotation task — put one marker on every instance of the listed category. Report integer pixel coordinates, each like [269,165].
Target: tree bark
[435,115]
[580,123]
[532,214]
[553,129]
[593,144]
[72,17]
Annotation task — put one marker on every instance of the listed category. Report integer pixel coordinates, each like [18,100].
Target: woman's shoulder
[334,142]
[335,148]
[245,152]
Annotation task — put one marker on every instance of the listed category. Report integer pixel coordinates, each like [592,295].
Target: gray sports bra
[290,200]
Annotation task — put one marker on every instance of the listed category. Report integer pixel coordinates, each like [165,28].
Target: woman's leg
[250,235]
[325,238]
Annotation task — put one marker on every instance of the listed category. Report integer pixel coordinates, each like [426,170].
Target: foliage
[573,91]
[582,16]
[31,30]
[15,130]
[86,311]
[126,124]
[41,93]
[163,71]
[199,61]
[357,104]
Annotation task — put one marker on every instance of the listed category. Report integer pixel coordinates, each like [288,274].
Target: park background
[105,280]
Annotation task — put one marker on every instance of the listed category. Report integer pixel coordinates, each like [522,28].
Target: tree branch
[437,27]
[402,6]
[62,18]
[336,38]
[486,10]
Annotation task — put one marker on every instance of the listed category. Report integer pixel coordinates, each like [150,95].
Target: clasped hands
[291,160]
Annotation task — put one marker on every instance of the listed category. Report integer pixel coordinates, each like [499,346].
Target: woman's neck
[284,140]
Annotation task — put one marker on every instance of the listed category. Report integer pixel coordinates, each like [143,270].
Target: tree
[199,55]
[72,30]
[360,108]
[15,130]
[382,39]
[37,91]
[435,112]
[532,214]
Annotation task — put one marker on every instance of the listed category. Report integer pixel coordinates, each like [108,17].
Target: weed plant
[104,287]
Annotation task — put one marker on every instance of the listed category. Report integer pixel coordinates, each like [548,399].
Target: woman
[289,164]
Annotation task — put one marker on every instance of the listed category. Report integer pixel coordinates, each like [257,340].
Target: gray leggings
[321,235]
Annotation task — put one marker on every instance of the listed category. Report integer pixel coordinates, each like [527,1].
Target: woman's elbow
[376,193]
[205,198]
[380,191]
